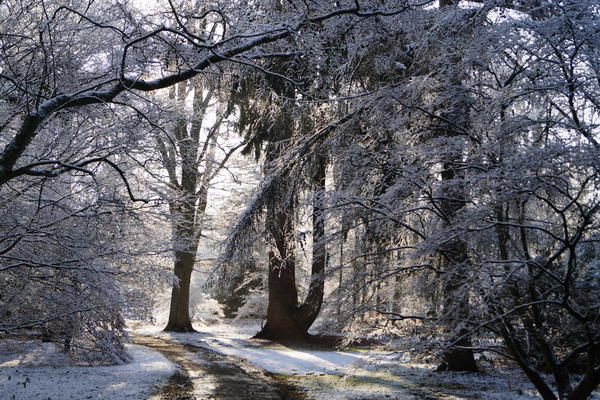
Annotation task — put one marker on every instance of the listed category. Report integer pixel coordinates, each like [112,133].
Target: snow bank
[33,370]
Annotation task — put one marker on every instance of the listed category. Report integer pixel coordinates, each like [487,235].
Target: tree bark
[309,311]
[179,315]
[286,320]
[191,191]
[456,304]
[282,312]
[455,255]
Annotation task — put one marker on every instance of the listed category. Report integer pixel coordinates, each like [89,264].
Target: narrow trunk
[456,303]
[340,280]
[179,315]
[356,275]
[521,359]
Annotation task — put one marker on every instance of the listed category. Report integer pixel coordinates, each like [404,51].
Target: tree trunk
[282,314]
[190,186]
[340,280]
[457,358]
[456,303]
[286,320]
[282,311]
[309,311]
[179,315]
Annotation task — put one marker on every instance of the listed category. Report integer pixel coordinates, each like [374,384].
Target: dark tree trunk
[309,311]
[282,311]
[457,358]
[455,259]
[179,315]
[286,320]
[455,303]
[340,280]
[282,323]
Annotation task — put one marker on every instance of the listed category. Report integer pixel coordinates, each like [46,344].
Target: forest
[300,199]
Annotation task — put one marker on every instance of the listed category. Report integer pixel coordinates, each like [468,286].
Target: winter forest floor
[221,361]
[321,373]
[206,374]
[34,370]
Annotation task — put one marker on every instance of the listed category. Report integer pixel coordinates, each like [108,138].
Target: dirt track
[205,374]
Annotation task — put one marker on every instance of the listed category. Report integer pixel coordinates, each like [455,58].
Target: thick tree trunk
[282,311]
[282,323]
[286,320]
[457,358]
[179,315]
[456,304]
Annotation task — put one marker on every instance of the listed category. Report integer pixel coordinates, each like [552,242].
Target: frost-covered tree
[483,186]
[270,116]
[525,136]
[72,261]
[73,78]
[276,110]
[192,158]
[463,141]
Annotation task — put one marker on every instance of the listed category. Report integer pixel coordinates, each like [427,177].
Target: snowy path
[322,374]
[206,374]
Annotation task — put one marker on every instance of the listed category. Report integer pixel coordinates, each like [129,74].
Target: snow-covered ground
[34,370]
[352,374]
[275,358]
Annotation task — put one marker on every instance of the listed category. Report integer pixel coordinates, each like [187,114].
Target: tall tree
[273,119]
[64,59]
[459,357]
[191,164]
[492,171]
